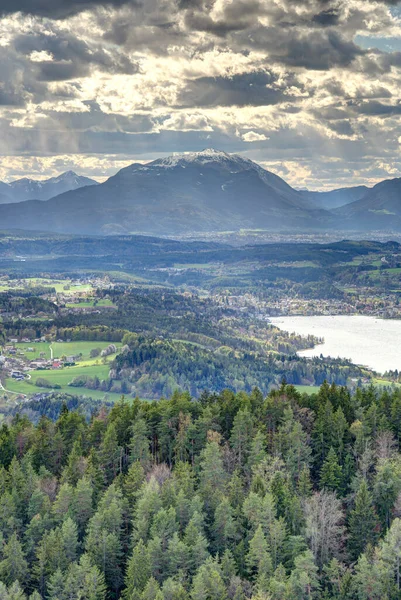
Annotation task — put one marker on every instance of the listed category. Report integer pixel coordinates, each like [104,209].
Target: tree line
[230,496]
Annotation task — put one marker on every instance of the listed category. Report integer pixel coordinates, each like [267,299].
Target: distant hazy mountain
[202,191]
[335,198]
[31,189]
[380,208]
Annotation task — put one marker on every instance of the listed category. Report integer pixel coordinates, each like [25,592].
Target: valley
[179,315]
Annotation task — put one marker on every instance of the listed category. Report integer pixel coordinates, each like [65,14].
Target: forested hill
[227,497]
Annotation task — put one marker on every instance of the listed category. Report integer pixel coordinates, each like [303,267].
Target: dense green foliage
[153,368]
[225,497]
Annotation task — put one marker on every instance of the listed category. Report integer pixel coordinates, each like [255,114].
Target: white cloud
[253,136]
[253,71]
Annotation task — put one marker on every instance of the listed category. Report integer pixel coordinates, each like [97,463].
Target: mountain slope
[203,191]
[31,189]
[335,198]
[380,208]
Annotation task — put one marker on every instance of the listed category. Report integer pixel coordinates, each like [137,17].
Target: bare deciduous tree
[324,528]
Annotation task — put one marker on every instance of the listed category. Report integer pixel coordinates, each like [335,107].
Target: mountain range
[32,189]
[200,192]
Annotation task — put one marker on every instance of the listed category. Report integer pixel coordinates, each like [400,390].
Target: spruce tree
[331,472]
[13,567]
[363,522]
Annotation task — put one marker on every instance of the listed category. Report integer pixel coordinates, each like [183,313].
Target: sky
[310,89]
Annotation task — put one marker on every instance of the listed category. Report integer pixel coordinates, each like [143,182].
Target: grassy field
[90,303]
[90,367]
[57,284]
[385,383]
[63,377]
[75,348]
[29,390]
[61,349]
[37,347]
[307,389]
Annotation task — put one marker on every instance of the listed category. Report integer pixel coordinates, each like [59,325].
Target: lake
[368,341]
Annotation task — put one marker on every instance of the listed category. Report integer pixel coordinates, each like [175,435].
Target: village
[384,306]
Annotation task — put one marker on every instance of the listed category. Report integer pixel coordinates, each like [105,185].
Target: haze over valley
[207,191]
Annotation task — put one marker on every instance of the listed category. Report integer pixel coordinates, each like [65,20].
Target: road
[2,388]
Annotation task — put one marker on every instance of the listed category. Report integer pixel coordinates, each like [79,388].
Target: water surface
[368,341]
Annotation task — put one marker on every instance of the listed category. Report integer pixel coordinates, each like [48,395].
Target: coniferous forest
[231,496]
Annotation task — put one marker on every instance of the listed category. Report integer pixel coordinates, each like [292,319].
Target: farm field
[58,284]
[307,389]
[62,377]
[38,348]
[90,303]
[61,348]
[76,348]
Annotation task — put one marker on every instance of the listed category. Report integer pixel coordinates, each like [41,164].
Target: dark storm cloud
[55,9]
[342,127]
[71,57]
[321,51]
[247,89]
[326,94]
[327,17]
[378,109]
[97,121]
[18,83]
[237,16]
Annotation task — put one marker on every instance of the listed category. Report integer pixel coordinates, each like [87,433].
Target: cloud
[69,57]
[54,9]
[256,89]
[253,136]
[318,79]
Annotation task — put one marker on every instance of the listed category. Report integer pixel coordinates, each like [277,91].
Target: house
[57,364]
[72,358]
[17,375]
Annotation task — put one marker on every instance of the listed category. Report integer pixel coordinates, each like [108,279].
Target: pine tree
[390,553]
[304,483]
[69,540]
[304,577]
[212,476]
[64,503]
[363,522]
[225,530]
[208,583]
[83,504]
[110,454]
[258,558]
[197,543]
[367,582]
[94,474]
[178,556]
[139,444]
[138,571]
[133,481]
[241,435]
[75,466]
[13,567]
[331,472]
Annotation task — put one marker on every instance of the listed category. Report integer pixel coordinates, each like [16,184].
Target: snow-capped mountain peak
[204,156]
[44,189]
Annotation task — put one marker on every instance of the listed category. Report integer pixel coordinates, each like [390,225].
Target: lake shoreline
[371,342]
